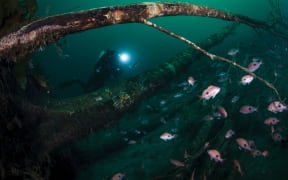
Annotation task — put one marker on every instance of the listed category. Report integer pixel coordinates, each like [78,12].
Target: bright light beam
[124,57]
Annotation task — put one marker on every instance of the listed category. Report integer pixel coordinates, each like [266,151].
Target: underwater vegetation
[210,112]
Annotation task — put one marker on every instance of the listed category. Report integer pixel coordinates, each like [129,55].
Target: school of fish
[219,112]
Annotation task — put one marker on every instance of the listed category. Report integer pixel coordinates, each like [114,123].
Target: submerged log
[50,29]
[72,119]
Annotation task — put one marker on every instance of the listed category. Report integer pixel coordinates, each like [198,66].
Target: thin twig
[212,56]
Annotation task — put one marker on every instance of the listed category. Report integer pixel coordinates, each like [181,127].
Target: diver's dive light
[124,57]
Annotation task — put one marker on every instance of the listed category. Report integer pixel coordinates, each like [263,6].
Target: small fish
[222,77]
[276,106]
[204,177]
[208,117]
[178,95]
[131,141]
[265,153]
[210,92]
[162,102]
[271,121]
[118,176]
[255,152]
[206,144]
[280,129]
[215,155]
[42,83]
[192,175]
[252,144]
[243,143]
[233,52]
[217,115]
[277,137]
[177,163]
[191,81]
[167,136]
[101,54]
[247,79]
[272,130]
[235,99]
[254,65]
[229,133]
[222,111]
[185,154]
[98,98]
[237,166]
[247,109]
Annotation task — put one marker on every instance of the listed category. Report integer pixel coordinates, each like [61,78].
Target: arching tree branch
[213,56]
[46,30]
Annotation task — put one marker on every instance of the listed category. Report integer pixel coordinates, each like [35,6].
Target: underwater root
[212,56]
[50,29]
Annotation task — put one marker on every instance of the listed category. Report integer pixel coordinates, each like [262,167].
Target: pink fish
[277,137]
[215,155]
[177,163]
[185,154]
[167,136]
[265,153]
[271,121]
[252,144]
[247,109]
[192,175]
[254,65]
[255,152]
[210,92]
[222,111]
[276,106]
[237,166]
[272,130]
[243,143]
[191,81]
[247,79]
[118,176]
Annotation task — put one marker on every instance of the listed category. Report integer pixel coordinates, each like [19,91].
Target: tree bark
[46,30]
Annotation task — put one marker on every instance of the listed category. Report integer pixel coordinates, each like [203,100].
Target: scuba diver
[107,66]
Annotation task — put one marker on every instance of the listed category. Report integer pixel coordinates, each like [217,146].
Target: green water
[147,46]
[106,152]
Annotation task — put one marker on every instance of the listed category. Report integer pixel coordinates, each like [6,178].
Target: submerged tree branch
[212,56]
[46,30]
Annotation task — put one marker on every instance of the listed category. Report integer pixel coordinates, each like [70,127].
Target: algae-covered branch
[50,29]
